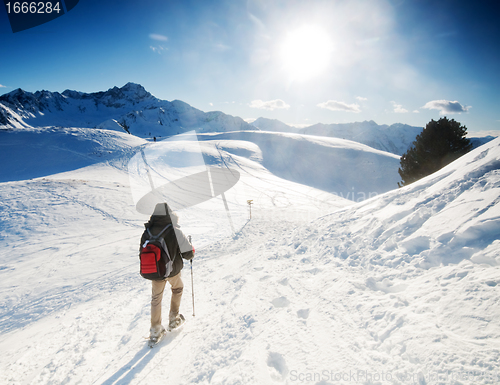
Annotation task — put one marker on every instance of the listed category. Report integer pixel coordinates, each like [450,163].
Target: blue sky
[302,62]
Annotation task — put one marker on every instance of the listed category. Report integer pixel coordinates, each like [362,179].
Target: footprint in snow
[385,285]
[303,313]
[280,302]
[277,366]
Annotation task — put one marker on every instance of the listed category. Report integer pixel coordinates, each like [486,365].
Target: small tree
[440,142]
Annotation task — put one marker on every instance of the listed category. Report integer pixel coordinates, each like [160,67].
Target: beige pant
[157,296]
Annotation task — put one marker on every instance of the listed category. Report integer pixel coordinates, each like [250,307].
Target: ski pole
[192,283]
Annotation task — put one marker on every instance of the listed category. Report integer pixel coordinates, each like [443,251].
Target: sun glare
[306,52]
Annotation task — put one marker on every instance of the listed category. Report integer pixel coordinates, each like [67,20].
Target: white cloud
[398,108]
[2,86]
[446,106]
[269,105]
[158,49]
[257,21]
[339,106]
[220,47]
[361,99]
[155,36]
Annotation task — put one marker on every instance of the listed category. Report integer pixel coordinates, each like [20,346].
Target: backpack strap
[160,233]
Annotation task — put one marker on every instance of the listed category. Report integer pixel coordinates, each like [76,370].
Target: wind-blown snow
[398,289]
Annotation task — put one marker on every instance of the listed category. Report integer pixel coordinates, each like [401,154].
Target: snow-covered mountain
[275,125]
[129,108]
[401,288]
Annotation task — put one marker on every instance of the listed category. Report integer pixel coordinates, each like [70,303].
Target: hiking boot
[156,332]
[175,322]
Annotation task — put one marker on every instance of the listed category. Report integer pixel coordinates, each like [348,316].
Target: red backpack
[156,263]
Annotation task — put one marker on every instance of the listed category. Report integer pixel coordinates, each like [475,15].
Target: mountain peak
[130,92]
[130,86]
[20,99]
[135,91]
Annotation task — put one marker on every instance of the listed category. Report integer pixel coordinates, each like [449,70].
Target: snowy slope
[348,169]
[398,289]
[127,109]
[34,152]
[395,138]
[68,261]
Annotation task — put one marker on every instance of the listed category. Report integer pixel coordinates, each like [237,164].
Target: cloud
[257,21]
[361,99]
[220,47]
[339,106]
[155,36]
[2,86]
[398,108]
[269,105]
[446,107]
[158,49]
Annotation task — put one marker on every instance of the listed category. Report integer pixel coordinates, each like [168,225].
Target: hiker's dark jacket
[177,243]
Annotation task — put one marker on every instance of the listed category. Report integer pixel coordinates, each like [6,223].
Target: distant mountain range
[133,109]
[130,108]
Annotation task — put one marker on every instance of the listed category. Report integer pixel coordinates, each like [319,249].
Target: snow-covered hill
[348,169]
[398,289]
[395,138]
[36,152]
[129,108]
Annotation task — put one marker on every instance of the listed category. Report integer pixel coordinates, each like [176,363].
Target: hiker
[178,246]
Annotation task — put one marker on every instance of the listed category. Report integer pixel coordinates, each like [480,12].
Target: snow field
[398,289]
[73,288]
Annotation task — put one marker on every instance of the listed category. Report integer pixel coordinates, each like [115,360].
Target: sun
[306,52]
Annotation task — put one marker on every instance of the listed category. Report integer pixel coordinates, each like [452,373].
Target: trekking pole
[192,284]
